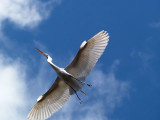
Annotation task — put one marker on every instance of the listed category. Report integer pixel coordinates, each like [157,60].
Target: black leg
[83,92]
[75,92]
[82,81]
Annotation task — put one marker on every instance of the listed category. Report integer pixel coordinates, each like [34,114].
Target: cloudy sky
[126,79]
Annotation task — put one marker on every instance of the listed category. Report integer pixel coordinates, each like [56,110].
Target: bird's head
[45,54]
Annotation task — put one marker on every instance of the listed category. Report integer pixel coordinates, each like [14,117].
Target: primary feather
[51,102]
[87,55]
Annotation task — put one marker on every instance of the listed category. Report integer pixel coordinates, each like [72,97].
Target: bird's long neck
[56,68]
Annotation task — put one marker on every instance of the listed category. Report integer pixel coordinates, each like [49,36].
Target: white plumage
[88,55]
[71,79]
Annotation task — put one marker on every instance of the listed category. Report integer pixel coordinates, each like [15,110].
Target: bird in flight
[71,79]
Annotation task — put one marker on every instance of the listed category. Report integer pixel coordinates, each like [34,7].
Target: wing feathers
[52,102]
[88,55]
[80,67]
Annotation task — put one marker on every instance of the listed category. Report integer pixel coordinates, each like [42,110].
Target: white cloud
[144,56]
[155,25]
[12,89]
[24,13]
[18,89]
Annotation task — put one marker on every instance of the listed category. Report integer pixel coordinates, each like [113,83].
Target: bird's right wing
[87,55]
[51,101]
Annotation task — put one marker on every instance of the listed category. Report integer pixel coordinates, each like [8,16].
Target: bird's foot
[83,82]
[89,85]
[80,101]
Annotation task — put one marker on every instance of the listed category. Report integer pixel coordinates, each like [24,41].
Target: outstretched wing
[88,55]
[51,101]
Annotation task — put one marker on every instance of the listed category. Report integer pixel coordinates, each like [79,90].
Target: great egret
[71,79]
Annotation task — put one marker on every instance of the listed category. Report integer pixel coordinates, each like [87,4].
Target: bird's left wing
[51,101]
[88,55]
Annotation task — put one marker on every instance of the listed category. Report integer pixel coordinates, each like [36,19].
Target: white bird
[71,79]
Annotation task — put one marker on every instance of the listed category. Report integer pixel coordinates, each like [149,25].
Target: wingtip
[106,34]
[28,117]
[103,32]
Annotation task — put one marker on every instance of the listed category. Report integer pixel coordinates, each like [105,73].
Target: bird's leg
[80,101]
[82,82]
[75,92]
[83,92]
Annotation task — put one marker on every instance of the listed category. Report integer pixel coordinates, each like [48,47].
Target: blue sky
[125,80]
